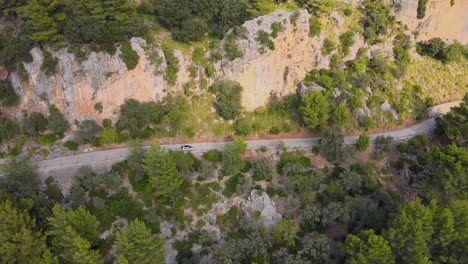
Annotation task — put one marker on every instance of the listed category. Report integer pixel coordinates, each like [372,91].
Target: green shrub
[98,107]
[107,122]
[230,219]
[328,46]
[274,130]
[294,17]
[363,142]
[347,40]
[272,192]
[71,145]
[231,185]
[315,26]
[8,96]
[201,223]
[286,127]
[228,103]
[275,29]
[46,140]
[109,135]
[145,8]
[264,38]
[129,56]
[232,50]
[210,71]
[7,129]
[383,144]
[243,127]
[419,141]
[347,12]
[293,157]
[54,193]
[421,11]
[172,64]
[49,64]
[57,121]
[377,20]
[213,156]
[439,50]
[230,44]
[214,186]
[35,123]
[402,56]
[16,50]
[262,169]
[335,61]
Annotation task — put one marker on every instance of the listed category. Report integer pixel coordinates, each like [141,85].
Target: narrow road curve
[115,155]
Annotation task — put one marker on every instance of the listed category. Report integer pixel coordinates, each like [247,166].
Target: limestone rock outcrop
[260,202]
[262,70]
[77,86]
[441,20]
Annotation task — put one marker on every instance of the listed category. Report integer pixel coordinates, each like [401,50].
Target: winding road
[112,156]
[105,158]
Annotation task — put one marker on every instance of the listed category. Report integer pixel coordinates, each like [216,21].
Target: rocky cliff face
[262,70]
[78,86]
[441,20]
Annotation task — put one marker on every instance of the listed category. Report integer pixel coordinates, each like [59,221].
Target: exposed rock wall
[441,19]
[277,70]
[262,71]
[77,87]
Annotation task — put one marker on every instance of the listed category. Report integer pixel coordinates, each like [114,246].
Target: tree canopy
[314,109]
[135,244]
[162,171]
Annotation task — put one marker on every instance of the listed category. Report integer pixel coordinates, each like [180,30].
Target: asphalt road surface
[112,156]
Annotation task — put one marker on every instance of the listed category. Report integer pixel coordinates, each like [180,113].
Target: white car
[186,148]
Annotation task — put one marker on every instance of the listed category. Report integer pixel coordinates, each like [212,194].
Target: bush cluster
[440,50]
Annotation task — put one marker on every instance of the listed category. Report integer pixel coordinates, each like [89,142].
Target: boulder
[259,201]
[337,18]
[303,88]
[386,107]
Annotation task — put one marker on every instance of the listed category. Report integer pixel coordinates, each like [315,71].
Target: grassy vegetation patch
[231,184]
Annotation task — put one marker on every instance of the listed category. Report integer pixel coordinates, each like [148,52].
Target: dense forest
[373,202]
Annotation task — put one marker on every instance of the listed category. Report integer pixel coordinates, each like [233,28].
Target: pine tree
[162,172]
[232,159]
[458,247]
[80,220]
[368,248]
[44,16]
[76,249]
[449,171]
[455,125]
[285,232]
[314,109]
[19,242]
[47,258]
[72,235]
[409,233]
[135,244]
[444,227]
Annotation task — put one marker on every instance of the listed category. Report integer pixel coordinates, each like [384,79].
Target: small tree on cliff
[228,98]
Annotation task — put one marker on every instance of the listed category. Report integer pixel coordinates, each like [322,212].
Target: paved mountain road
[114,155]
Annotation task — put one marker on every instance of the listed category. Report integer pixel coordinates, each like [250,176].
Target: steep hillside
[101,79]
